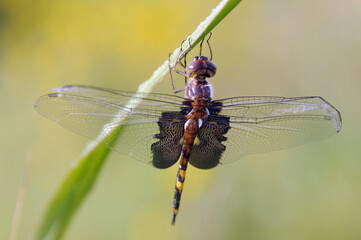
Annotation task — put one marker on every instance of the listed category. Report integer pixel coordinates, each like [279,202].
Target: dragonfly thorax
[201,68]
[201,90]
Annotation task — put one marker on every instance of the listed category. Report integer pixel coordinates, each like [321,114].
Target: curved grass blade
[81,178]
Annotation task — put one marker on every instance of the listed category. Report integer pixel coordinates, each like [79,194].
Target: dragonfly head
[201,68]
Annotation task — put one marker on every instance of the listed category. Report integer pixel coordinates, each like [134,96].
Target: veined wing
[92,111]
[149,100]
[264,124]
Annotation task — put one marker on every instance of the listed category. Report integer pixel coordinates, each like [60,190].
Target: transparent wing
[120,98]
[249,125]
[264,124]
[90,111]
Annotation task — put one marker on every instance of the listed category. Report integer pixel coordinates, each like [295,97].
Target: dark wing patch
[167,150]
[207,152]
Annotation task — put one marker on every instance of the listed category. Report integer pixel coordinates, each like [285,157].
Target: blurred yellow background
[281,48]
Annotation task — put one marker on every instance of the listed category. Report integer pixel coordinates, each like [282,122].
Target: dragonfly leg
[171,77]
[183,65]
[185,55]
[209,45]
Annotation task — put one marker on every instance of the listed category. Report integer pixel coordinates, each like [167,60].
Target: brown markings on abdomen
[190,134]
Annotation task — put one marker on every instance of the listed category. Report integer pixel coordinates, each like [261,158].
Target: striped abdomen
[190,134]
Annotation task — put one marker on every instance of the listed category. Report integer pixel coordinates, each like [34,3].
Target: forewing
[151,101]
[264,124]
[93,112]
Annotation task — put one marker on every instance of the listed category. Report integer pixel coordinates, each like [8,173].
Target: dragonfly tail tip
[174,217]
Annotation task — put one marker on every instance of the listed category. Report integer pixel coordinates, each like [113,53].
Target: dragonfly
[165,128]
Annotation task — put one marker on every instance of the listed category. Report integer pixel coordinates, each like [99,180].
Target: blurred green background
[280,47]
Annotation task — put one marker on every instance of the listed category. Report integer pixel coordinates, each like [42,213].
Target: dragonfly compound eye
[201,67]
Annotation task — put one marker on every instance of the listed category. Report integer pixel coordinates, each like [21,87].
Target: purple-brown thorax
[198,70]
